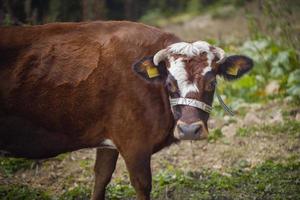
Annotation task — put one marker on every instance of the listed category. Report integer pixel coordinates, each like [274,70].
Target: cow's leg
[138,166]
[106,160]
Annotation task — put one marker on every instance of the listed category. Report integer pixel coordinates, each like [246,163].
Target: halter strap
[224,106]
[199,104]
[190,102]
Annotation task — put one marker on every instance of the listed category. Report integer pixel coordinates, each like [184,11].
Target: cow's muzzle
[193,131]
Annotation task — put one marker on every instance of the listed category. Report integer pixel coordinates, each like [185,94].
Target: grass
[22,192]
[9,166]
[215,135]
[288,127]
[77,193]
[270,180]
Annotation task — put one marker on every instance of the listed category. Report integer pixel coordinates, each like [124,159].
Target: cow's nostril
[189,128]
[197,129]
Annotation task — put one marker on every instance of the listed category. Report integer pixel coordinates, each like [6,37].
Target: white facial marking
[193,49]
[177,69]
[107,143]
[177,66]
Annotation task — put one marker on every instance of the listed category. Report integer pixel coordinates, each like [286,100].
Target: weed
[78,193]
[268,181]
[288,127]
[120,190]
[22,192]
[10,165]
[215,135]
[244,132]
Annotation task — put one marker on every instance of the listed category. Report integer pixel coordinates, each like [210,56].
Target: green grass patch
[270,180]
[245,132]
[215,135]
[120,189]
[288,127]
[9,166]
[21,192]
[78,193]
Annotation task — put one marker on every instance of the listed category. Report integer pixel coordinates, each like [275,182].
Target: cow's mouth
[193,131]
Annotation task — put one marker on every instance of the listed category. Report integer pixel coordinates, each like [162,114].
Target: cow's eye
[171,87]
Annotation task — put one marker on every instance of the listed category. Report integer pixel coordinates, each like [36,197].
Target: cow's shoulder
[68,53]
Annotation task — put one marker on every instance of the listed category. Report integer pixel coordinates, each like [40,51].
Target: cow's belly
[21,138]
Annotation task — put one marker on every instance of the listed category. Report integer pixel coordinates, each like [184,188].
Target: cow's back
[60,82]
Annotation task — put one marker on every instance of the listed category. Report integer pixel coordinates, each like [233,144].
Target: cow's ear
[234,67]
[146,69]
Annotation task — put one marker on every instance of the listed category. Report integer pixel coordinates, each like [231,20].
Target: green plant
[78,193]
[244,132]
[288,127]
[22,192]
[215,135]
[10,165]
[120,190]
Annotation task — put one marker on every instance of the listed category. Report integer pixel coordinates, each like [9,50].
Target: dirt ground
[69,170]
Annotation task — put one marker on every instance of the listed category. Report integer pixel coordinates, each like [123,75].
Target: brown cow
[67,86]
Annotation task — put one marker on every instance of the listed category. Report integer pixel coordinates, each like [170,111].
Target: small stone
[272,88]
[276,117]
[217,166]
[226,118]
[297,116]
[229,130]
[251,119]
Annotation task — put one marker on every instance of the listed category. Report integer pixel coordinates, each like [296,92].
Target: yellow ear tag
[152,72]
[233,70]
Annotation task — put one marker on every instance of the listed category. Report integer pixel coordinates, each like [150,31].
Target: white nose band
[190,102]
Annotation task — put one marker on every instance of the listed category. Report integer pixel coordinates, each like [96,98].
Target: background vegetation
[254,155]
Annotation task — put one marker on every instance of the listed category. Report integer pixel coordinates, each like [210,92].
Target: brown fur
[67,86]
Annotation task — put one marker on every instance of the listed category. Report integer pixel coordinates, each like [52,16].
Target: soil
[69,170]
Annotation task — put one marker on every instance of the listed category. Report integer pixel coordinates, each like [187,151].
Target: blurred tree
[93,9]
[43,11]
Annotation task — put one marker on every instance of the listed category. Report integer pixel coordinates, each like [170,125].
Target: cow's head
[189,72]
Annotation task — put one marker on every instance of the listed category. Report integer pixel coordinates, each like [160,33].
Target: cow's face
[189,72]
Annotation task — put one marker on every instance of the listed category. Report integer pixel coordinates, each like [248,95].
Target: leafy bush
[272,61]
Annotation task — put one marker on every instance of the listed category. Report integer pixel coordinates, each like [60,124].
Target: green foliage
[244,132]
[121,189]
[78,193]
[194,6]
[21,192]
[10,165]
[288,128]
[215,135]
[293,83]
[277,19]
[272,61]
[268,181]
